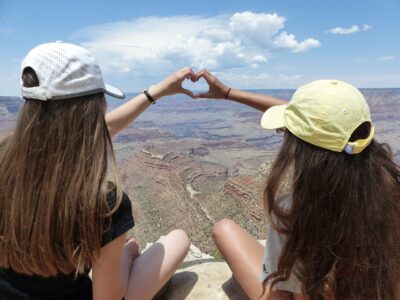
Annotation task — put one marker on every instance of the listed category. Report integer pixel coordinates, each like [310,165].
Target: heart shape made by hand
[185,81]
[199,86]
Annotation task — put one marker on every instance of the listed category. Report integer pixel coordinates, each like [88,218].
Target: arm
[123,115]
[217,90]
[106,271]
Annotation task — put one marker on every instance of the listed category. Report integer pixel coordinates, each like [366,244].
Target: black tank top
[15,286]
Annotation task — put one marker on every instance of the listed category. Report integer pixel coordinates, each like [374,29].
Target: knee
[221,229]
[181,239]
[132,247]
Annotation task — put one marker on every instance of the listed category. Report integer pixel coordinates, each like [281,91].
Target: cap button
[348,149]
[334,82]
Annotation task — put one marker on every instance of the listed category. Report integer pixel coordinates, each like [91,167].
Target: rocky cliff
[166,185]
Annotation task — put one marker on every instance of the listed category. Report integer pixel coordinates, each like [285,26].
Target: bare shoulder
[299,297]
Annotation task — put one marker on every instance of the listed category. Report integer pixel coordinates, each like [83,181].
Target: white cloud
[341,30]
[366,27]
[350,30]
[261,80]
[386,58]
[153,44]
[290,77]
[259,58]
[288,41]
[258,29]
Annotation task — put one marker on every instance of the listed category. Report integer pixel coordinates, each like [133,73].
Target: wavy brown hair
[343,228]
[53,185]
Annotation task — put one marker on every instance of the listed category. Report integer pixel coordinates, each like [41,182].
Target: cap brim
[274,118]
[114,92]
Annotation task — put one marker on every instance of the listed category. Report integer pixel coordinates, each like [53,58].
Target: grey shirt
[273,247]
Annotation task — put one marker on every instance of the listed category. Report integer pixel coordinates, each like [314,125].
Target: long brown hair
[53,197]
[343,228]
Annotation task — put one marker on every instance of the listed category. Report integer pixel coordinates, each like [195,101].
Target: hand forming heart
[216,89]
[195,85]
[173,85]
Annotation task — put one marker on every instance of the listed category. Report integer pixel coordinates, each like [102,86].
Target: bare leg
[130,253]
[244,256]
[154,267]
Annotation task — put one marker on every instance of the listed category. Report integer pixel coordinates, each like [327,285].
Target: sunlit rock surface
[201,276]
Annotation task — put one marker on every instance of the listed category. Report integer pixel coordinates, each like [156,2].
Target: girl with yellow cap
[336,233]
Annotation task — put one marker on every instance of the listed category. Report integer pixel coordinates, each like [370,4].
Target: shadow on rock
[180,286]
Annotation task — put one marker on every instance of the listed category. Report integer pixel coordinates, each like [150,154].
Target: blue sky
[247,44]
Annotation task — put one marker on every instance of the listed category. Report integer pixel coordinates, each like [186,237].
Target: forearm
[218,90]
[258,101]
[123,115]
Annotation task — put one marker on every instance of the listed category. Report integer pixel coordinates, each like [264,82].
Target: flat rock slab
[201,276]
[202,279]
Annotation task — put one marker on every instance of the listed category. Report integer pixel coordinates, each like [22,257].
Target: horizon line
[249,89]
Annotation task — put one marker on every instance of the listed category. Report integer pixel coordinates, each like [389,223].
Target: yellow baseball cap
[324,113]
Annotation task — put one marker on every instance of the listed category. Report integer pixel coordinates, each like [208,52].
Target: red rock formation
[241,187]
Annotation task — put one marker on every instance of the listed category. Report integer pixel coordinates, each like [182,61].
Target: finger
[187,92]
[206,75]
[186,71]
[183,69]
[203,95]
[200,73]
[191,76]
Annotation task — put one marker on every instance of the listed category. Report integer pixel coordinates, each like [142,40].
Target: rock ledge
[201,276]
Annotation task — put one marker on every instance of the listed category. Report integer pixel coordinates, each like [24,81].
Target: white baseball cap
[64,71]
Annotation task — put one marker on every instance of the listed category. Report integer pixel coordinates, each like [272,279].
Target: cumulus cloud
[288,41]
[243,39]
[350,30]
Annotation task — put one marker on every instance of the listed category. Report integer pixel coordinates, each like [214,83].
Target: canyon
[188,163]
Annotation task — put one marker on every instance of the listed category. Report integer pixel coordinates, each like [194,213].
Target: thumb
[187,92]
[203,95]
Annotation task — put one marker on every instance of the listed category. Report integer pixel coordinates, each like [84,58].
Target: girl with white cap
[336,233]
[62,209]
